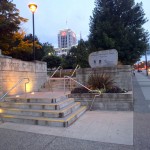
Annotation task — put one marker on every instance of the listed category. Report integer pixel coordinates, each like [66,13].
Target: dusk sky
[52,16]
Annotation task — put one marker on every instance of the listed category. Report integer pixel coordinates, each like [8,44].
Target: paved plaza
[95,130]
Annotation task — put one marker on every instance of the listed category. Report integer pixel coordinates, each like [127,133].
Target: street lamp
[146,63]
[33,8]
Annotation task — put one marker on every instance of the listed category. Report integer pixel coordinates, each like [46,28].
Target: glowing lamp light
[32,7]
[1,111]
[32,93]
[17,96]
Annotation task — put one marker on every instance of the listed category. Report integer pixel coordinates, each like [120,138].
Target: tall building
[66,39]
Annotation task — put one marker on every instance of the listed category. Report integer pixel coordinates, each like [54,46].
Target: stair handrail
[75,70]
[95,91]
[93,101]
[76,82]
[55,71]
[15,86]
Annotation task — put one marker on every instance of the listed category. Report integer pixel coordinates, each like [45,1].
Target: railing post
[75,70]
[60,73]
[93,102]
[64,85]
[70,84]
[55,71]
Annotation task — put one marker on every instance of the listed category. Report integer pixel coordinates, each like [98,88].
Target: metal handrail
[15,86]
[99,92]
[93,101]
[75,70]
[55,71]
[76,82]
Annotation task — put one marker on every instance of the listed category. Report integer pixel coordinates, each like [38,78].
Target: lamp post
[33,8]
[146,63]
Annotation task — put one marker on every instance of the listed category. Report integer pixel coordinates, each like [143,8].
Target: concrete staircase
[57,84]
[56,112]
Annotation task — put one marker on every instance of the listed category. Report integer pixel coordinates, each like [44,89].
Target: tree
[52,61]
[48,49]
[68,61]
[21,47]
[77,56]
[118,24]
[39,51]
[9,22]
[81,53]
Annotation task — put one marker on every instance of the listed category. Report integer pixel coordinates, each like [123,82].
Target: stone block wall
[13,70]
[106,101]
[122,75]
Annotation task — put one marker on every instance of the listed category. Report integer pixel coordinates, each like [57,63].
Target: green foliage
[52,61]
[80,90]
[39,51]
[80,54]
[100,81]
[118,24]
[48,49]
[115,89]
[17,47]
[68,62]
[9,23]
[21,47]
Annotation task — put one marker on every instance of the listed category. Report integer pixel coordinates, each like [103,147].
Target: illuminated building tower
[66,39]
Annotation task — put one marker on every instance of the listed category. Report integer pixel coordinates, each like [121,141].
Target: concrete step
[56,84]
[59,88]
[36,100]
[55,122]
[46,106]
[42,113]
[53,89]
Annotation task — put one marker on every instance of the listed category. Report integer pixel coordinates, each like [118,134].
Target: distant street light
[50,54]
[33,8]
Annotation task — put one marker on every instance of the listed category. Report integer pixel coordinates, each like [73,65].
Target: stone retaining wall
[12,70]
[106,101]
[122,75]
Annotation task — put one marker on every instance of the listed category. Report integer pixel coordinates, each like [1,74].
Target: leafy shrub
[115,89]
[52,61]
[79,90]
[100,81]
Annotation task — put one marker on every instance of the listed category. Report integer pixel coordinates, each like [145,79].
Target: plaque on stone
[105,58]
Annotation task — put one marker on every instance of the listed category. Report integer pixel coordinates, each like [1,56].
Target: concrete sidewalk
[144,83]
[103,126]
[110,127]
[141,125]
